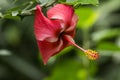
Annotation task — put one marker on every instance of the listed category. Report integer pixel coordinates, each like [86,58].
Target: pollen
[92,55]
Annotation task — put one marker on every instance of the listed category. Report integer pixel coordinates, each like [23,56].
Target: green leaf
[15,13]
[94,2]
[5,53]
[46,2]
[9,16]
[1,15]
[87,17]
[18,7]
[71,1]
[83,2]
[22,9]
[105,34]
[108,46]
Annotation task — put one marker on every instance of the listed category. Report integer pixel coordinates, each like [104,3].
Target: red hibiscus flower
[56,31]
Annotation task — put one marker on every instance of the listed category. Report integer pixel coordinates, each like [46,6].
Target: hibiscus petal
[45,28]
[71,29]
[48,49]
[62,12]
[73,23]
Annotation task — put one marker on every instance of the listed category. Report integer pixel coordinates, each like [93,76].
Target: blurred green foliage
[98,28]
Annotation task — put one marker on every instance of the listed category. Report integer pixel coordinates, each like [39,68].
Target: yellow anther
[93,55]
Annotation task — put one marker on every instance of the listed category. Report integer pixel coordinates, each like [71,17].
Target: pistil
[92,55]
